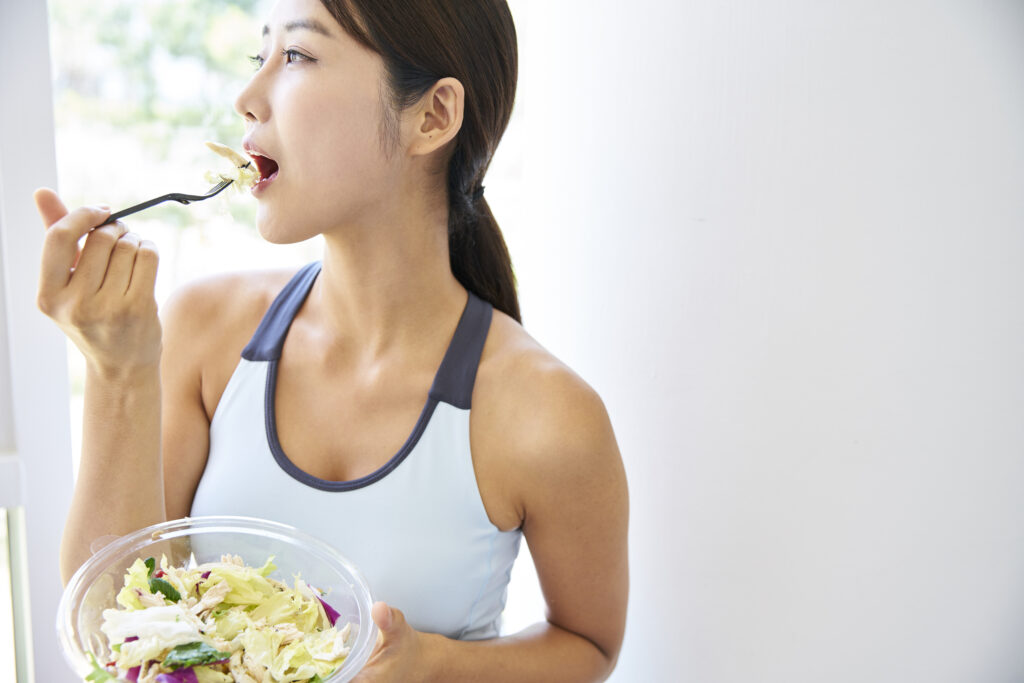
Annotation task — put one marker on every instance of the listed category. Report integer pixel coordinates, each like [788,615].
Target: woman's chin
[277,231]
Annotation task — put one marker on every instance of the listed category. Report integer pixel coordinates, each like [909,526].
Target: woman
[385,399]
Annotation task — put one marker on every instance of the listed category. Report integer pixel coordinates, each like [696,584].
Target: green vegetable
[136,578]
[192,654]
[169,591]
[98,674]
[248,585]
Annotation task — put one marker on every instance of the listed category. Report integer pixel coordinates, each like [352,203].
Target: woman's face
[313,111]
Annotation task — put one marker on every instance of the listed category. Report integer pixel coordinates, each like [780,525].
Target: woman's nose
[251,103]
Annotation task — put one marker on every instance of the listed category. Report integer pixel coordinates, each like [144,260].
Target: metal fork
[172,197]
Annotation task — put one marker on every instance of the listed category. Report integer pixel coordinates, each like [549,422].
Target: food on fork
[243,174]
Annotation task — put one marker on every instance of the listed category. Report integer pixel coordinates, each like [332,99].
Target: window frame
[35,453]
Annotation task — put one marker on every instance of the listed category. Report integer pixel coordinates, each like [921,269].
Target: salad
[243,173]
[219,622]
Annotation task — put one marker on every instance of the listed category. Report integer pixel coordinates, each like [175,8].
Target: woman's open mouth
[267,169]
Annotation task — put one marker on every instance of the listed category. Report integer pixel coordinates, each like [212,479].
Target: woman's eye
[256,61]
[296,56]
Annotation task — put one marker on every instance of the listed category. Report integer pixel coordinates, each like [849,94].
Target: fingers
[98,254]
[60,246]
[121,262]
[130,263]
[51,209]
[143,280]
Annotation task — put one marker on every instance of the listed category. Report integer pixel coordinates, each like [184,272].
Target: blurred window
[139,86]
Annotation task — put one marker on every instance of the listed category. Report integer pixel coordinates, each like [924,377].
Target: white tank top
[416,528]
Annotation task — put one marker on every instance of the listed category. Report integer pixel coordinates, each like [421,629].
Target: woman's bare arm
[561,468]
[101,296]
[575,519]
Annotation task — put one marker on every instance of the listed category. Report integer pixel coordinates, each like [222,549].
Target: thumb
[389,620]
[51,209]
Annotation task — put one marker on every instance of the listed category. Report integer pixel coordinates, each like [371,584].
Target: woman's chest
[344,429]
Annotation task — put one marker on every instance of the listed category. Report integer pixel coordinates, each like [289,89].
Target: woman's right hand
[102,294]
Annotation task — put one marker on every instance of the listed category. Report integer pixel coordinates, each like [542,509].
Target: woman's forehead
[301,15]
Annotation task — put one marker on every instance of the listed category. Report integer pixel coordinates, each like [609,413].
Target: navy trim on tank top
[453,382]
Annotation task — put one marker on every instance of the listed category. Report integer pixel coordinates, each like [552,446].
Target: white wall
[783,239]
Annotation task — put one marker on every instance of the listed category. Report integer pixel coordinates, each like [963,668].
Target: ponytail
[476,248]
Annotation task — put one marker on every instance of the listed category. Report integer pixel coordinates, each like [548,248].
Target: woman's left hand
[399,655]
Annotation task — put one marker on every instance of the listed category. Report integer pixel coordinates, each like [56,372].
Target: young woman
[386,398]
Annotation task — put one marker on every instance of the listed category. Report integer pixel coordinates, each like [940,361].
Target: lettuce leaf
[190,654]
[248,586]
[137,578]
[98,673]
[296,661]
[230,622]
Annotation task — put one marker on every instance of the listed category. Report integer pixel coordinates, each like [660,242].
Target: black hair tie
[478,193]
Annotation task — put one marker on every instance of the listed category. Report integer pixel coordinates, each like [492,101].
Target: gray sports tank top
[416,527]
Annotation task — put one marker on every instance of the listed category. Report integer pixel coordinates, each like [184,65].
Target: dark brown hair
[473,41]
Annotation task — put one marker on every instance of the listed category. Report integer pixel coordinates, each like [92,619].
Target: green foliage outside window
[139,85]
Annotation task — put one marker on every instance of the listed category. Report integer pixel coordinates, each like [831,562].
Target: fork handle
[173,197]
[145,205]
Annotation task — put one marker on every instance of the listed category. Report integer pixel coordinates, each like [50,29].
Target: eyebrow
[307,24]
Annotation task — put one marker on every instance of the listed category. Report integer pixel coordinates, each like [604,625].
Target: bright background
[782,239]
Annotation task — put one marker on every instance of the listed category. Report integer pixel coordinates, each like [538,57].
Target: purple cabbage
[332,614]
[133,673]
[186,675]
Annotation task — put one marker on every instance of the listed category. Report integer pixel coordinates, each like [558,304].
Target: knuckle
[102,237]
[148,251]
[44,302]
[58,235]
[127,244]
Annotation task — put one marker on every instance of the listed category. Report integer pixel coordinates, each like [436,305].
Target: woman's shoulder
[223,302]
[539,431]
[525,390]
[208,321]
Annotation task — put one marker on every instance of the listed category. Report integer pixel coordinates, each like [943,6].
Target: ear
[438,117]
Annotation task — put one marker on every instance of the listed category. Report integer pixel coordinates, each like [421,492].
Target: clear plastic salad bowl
[95,585]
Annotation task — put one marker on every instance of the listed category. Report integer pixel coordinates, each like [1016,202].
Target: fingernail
[101,207]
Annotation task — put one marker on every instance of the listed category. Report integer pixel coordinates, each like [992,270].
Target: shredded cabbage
[262,629]
[243,172]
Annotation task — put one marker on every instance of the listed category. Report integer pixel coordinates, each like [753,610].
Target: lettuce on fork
[243,173]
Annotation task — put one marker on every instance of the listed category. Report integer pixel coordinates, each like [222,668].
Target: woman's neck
[384,285]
